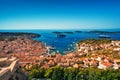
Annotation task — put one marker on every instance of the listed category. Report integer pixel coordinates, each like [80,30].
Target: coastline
[62,44]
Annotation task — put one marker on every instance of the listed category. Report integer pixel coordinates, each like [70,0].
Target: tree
[34,73]
[62,73]
[41,72]
[48,73]
[57,73]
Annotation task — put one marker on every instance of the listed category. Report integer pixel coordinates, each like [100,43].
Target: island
[69,32]
[66,32]
[56,32]
[103,32]
[61,35]
[78,31]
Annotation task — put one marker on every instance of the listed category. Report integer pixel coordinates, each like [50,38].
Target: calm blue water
[67,43]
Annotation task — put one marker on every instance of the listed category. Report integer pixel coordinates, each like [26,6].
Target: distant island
[66,32]
[78,31]
[56,32]
[69,32]
[61,35]
[103,32]
[91,31]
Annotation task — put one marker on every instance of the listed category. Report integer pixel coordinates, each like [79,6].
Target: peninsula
[9,35]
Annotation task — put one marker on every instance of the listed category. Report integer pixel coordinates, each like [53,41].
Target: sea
[67,43]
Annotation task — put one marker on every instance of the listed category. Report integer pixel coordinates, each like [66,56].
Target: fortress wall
[14,66]
[6,73]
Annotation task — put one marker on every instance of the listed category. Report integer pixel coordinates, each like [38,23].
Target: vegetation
[57,32]
[69,32]
[12,35]
[62,73]
[78,31]
[7,38]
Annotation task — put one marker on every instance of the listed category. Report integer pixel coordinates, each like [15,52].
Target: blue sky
[59,14]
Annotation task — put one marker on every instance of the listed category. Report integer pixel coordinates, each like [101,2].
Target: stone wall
[5,74]
[8,72]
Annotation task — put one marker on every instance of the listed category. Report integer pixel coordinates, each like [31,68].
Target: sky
[59,14]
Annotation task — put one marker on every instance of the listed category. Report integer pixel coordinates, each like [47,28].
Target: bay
[66,43]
